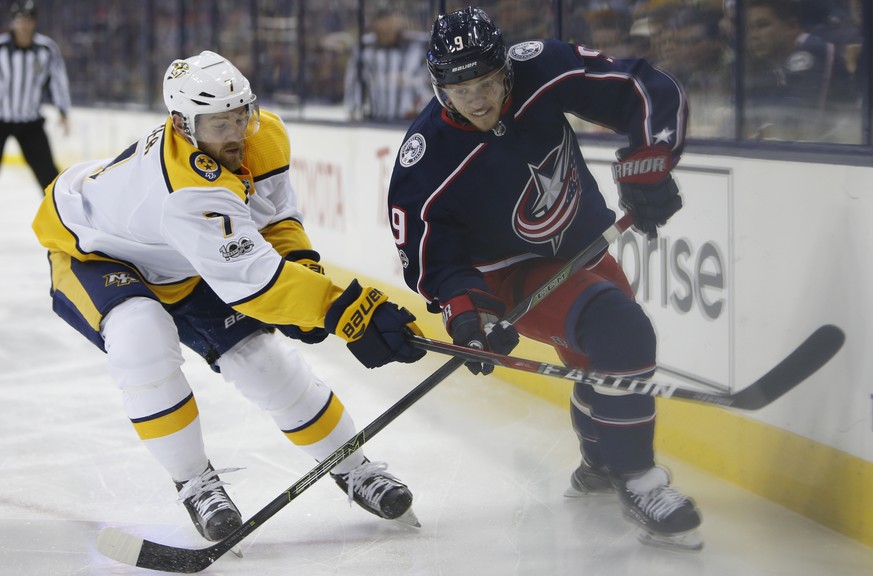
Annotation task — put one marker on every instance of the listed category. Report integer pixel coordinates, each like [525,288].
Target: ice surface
[488,465]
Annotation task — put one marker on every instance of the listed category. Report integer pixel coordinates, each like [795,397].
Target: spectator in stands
[30,64]
[840,23]
[797,83]
[706,71]
[522,20]
[640,38]
[658,17]
[608,30]
[727,23]
[853,51]
[385,77]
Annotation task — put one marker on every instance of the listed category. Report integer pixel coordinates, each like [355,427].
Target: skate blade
[690,541]
[409,518]
[572,492]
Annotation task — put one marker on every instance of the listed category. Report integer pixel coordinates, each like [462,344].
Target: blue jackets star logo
[551,197]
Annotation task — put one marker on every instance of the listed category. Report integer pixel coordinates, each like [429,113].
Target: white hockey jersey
[176,215]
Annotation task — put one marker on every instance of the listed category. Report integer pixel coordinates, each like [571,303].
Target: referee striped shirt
[25,73]
[396,83]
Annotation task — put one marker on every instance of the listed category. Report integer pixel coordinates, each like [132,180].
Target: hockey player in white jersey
[192,236]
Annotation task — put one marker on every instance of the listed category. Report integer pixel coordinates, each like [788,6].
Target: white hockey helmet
[209,84]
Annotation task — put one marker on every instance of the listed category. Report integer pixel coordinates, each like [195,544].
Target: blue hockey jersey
[463,202]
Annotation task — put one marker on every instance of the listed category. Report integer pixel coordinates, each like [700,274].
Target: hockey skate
[588,479]
[378,492]
[210,508]
[668,519]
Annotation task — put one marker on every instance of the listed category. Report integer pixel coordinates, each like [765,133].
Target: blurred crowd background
[785,70]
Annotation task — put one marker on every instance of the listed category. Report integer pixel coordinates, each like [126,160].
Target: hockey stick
[811,355]
[137,551]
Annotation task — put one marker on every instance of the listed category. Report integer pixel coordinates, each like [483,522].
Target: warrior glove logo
[644,169]
[648,165]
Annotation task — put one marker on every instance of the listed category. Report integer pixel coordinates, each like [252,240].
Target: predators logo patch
[119,279]
[178,69]
[205,166]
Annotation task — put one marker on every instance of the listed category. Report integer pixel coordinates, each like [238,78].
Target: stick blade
[120,546]
[803,362]
[135,551]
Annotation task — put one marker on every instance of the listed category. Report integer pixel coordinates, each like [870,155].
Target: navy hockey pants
[593,321]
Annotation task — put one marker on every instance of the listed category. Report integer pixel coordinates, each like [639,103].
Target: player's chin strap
[137,551]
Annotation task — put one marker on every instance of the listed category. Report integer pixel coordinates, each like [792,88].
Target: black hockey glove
[311,336]
[645,188]
[374,328]
[472,320]
[308,258]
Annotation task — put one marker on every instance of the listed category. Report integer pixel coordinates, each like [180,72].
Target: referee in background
[385,77]
[31,65]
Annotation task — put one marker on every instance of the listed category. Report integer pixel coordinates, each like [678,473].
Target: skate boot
[378,492]
[588,479]
[668,519]
[210,508]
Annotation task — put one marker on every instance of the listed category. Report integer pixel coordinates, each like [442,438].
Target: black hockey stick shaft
[573,265]
[801,363]
[155,556]
[144,553]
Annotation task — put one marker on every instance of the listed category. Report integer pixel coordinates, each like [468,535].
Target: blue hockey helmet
[464,45]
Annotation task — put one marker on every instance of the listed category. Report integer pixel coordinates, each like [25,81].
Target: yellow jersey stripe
[167,422]
[287,236]
[66,282]
[51,231]
[297,295]
[172,293]
[269,150]
[319,427]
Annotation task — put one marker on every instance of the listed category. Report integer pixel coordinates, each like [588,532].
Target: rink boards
[764,252]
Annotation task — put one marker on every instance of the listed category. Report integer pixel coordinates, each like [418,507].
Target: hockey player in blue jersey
[490,195]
